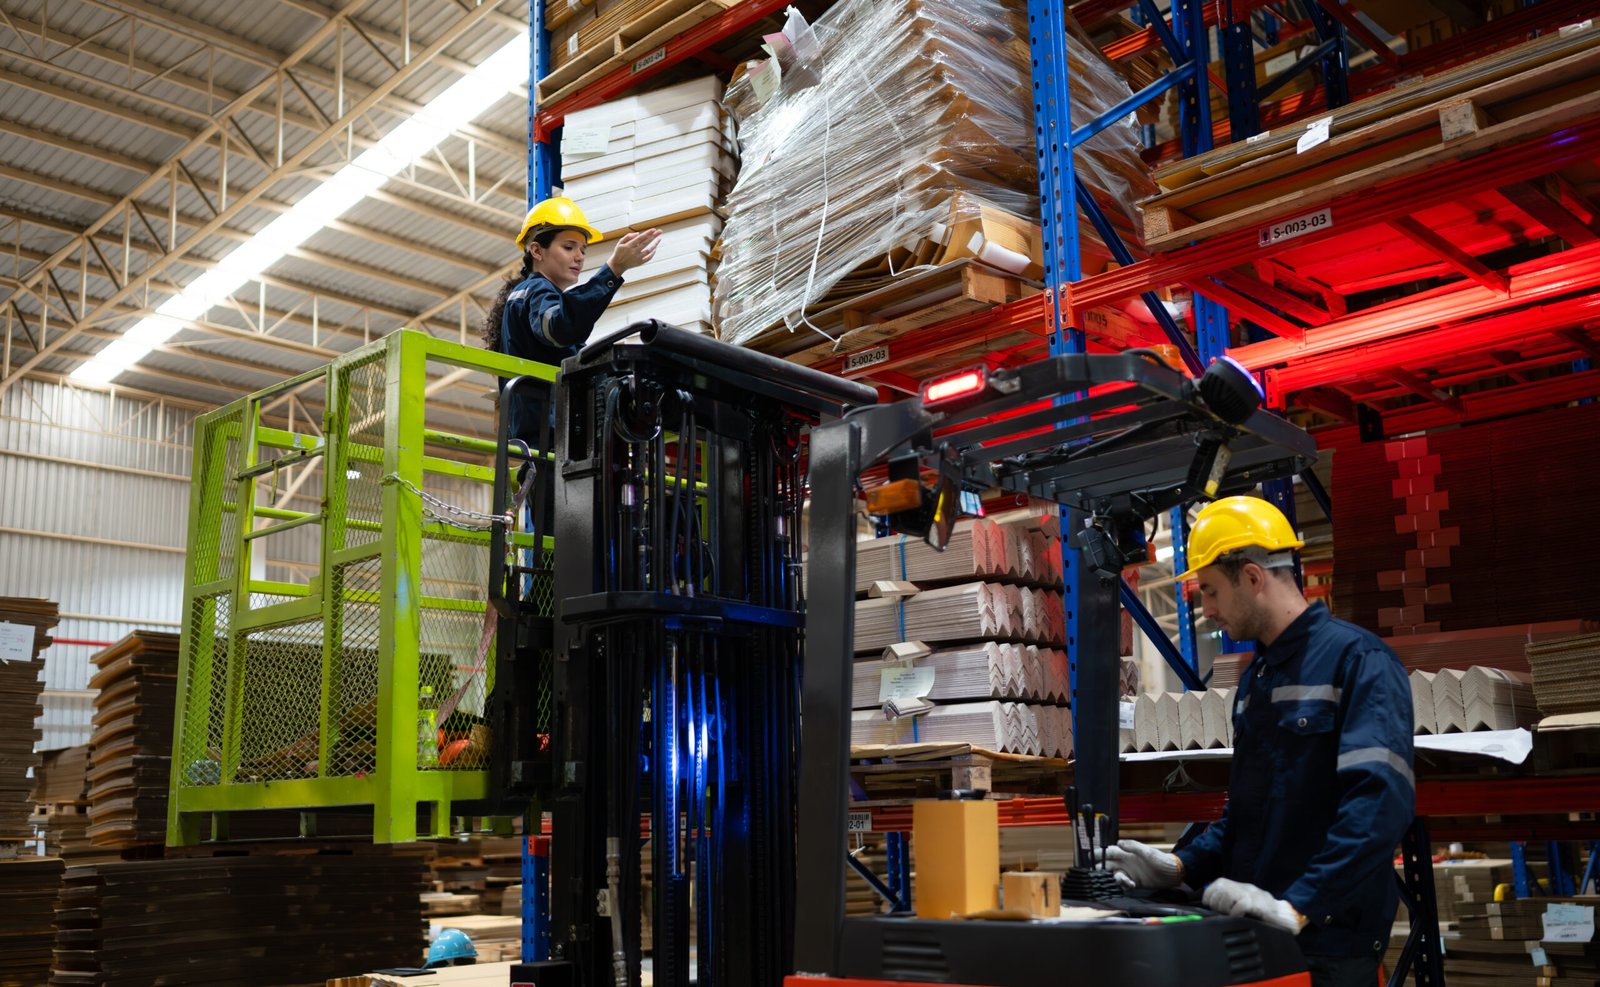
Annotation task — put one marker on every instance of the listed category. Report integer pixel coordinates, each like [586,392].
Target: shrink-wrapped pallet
[887,116]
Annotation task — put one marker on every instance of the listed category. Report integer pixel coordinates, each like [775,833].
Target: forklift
[671,681]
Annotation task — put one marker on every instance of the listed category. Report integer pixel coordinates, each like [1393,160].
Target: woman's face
[562,261]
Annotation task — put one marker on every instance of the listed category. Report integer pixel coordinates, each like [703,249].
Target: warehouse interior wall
[93,516]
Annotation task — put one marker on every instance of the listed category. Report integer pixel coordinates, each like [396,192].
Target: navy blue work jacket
[541,322]
[1321,790]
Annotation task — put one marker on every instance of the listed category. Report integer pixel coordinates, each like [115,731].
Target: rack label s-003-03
[1298,226]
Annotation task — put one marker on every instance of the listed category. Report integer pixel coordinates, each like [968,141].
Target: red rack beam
[1475,797]
[687,45]
[1479,407]
[1351,212]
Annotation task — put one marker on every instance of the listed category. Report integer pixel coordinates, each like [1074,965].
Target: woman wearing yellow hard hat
[543,313]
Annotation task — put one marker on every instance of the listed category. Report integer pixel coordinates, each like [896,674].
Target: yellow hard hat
[1232,523]
[558,213]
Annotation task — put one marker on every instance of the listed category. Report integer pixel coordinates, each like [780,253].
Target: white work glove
[1249,901]
[1139,866]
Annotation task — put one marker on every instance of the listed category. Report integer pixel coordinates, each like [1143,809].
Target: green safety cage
[337,575]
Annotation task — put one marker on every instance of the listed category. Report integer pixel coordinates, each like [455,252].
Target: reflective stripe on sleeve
[1306,693]
[544,325]
[1377,755]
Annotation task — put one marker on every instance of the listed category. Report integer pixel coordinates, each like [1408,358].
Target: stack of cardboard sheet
[131,748]
[1476,699]
[28,889]
[1010,728]
[264,919]
[1465,886]
[1493,647]
[968,612]
[1565,678]
[659,159]
[1180,721]
[25,626]
[61,792]
[1498,938]
[857,150]
[1423,719]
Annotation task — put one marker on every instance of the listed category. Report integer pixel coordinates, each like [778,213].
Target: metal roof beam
[306,71]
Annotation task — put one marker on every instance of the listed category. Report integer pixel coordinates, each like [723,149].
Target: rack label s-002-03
[1288,229]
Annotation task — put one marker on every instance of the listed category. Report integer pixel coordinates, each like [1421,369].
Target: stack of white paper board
[1448,709]
[968,612]
[1422,718]
[1495,699]
[659,159]
[986,670]
[1009,728]
[1181,721]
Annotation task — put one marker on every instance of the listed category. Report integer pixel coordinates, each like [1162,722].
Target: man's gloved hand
[1237,898]
[1139,866]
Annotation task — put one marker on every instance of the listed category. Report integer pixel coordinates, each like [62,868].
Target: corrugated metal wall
[94,493]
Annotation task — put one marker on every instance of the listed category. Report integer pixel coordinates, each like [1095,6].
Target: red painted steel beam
[1475,797]
[1444,314]
[1351,212]
[1480,407]
[1451,254]
[690,43]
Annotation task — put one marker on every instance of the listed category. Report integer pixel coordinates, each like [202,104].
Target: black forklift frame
[1113,439]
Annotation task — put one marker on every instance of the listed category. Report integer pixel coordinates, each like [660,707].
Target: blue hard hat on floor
[451,948]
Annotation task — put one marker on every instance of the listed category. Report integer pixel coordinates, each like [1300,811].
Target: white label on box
[1538,956]
[16,642]
[1571,29]
[572,44]
[650,59]
[1568,923]
[1311,222]
[866,358]
[859,822]
[1316,133]
[1125,710]
[905,682]
[585,141]
[765,79]
[1253,138]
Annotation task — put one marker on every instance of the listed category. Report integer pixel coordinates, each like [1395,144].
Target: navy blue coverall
[541,322]
[1321,788]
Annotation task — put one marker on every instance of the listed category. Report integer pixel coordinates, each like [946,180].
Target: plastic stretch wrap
[883,117]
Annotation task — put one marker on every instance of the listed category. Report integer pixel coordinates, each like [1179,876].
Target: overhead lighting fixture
[499,74]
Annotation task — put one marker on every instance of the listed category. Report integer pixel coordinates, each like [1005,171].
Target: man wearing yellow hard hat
[543,313]
[1321,790]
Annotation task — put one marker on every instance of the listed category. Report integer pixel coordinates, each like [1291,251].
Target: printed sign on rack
[1125,710]
[16,642]
[1288,229]
[1316,133]
[866,358]
[859,822]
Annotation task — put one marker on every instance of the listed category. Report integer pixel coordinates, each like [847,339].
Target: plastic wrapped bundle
[892,126]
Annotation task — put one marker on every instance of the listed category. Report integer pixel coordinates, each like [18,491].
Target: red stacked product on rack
[1473,528]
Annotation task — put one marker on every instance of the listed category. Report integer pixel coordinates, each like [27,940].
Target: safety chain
[474,522]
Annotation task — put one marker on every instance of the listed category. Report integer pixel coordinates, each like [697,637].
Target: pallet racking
[1513,332]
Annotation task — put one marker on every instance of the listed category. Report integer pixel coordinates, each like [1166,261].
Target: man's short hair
[1233,563]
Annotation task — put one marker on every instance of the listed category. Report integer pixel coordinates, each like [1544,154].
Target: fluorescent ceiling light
[474,93]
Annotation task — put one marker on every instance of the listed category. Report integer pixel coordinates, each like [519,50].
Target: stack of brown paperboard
[25,626]
[28,889]
[131,747]
[1566,674]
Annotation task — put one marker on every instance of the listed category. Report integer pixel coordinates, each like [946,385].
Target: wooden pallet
[1390,137]
[634,42]
[897,308]
[899,771]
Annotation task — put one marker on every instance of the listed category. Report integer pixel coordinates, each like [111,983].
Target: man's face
[562,261]
[1235,607]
